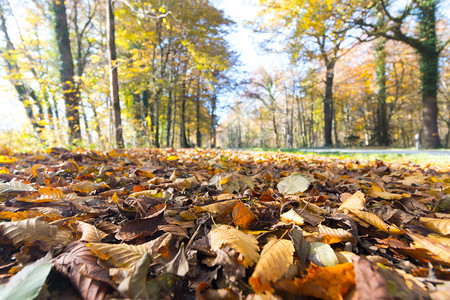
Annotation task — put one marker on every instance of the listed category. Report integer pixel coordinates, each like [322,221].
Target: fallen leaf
[293,184]
[244,244]
[322,282]
[242,215]
[322,254]
[441,226]
[274,262]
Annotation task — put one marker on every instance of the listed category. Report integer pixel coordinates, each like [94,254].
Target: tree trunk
[381,124]
[213,120]
[275,130]
[114,81]
[328,104]
[429,57]
[156,112]
[183,139]
[197,113]
[168,117]
[66,71]
[172,139]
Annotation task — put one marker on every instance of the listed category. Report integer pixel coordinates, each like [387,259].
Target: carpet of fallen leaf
[219,224]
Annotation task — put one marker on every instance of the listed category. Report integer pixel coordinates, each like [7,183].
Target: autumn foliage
[215,224]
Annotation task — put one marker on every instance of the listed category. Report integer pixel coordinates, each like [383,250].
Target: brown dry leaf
[242,215]
[80,265]
[334,235]
[292,217]
[220,208]
[231,182]
[244,244]
[431,245]
[274,262]
[356,201]
[88,186]
[370,284]
[377,222]
[90,233]
[322,282]
[379,192]
[142,227]
[441,226]
[28,230]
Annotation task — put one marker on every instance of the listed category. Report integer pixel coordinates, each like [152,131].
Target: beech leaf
[274,262]
[294,184]
[28,281]
[244,244]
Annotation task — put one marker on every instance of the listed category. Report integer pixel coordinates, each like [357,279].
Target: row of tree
[382,47]
[151,73]
[144,72]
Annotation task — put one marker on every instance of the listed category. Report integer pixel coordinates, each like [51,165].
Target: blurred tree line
[150,73]
[361,73]
[117,73]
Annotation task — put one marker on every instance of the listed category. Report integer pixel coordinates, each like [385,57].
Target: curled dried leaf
[244,244]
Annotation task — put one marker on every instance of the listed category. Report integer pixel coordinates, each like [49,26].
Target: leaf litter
[216,224]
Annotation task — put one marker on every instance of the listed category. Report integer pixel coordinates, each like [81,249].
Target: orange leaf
[242,215]
[322,282]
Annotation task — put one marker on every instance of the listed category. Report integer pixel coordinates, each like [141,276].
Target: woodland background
[360,73]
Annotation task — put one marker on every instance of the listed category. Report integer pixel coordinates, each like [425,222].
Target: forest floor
[221,224]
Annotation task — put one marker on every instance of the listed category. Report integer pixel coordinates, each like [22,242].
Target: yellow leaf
[121,255]
[441,226]
[7,159]
[4,170]
[432,245]
[125,256]
[356,201]
[276,257]
[148,193]
[50,193]
[292,217]
[377,222]
[172,158]
[244,244]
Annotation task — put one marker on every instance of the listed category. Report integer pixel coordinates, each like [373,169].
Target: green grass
[440,161]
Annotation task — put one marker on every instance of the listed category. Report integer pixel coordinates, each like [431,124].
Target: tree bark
[156,112]
[66,71]
[114,81]
[169,118]
[328,105]
[429,57]
[381,124]
[197,113]
[183,139]
[213,120]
